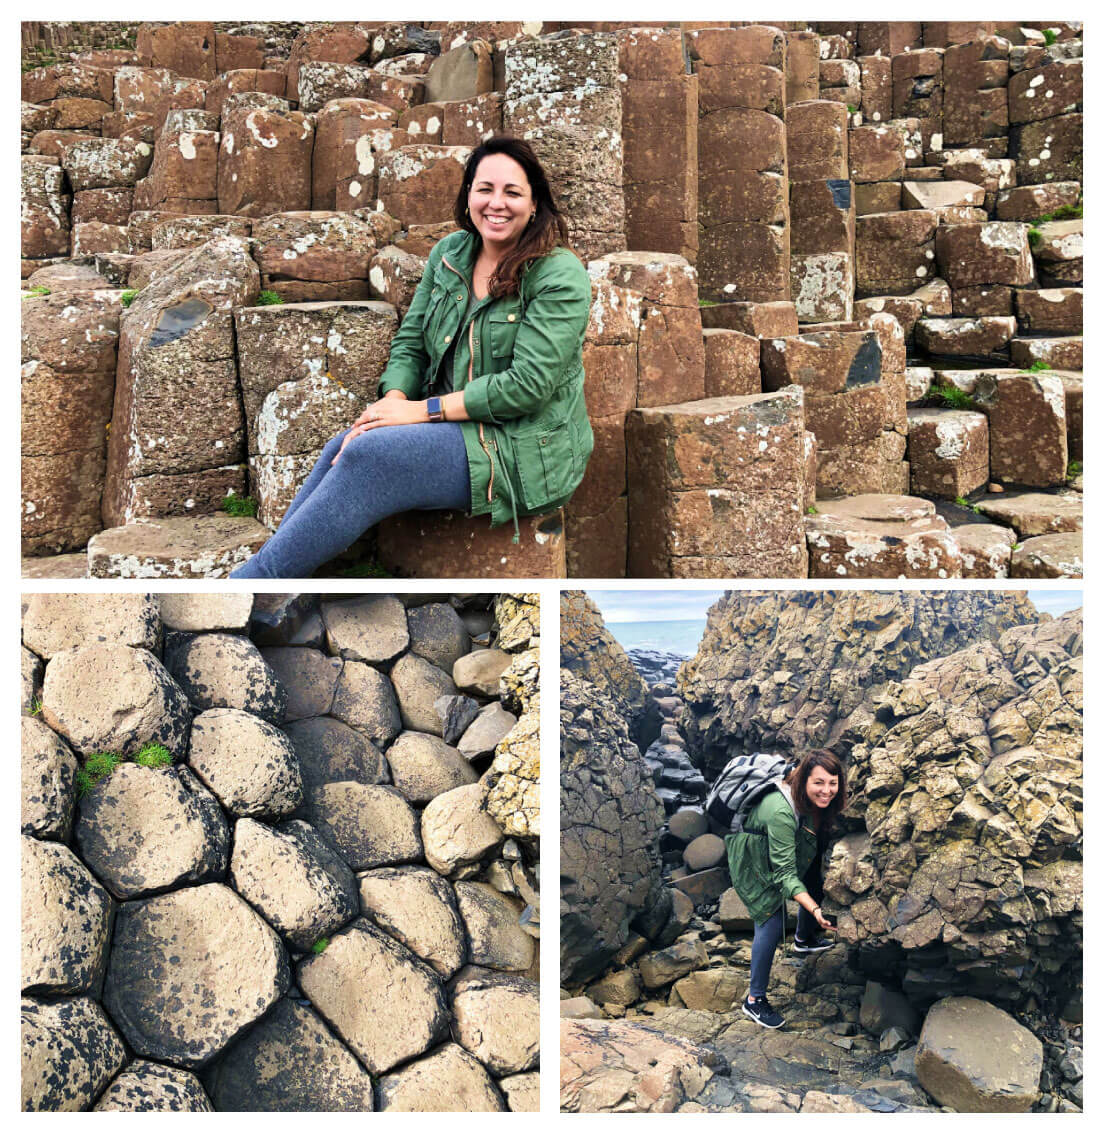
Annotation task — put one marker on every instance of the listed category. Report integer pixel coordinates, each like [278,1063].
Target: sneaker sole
[762,1024]
[796,949]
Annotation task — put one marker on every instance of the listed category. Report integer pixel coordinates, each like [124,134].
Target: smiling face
[821,787]
[500,201]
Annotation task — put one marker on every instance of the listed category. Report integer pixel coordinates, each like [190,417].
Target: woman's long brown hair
[547,229]
[832,765]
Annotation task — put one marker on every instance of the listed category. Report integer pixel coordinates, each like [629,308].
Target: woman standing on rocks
[774,857]
[482,406]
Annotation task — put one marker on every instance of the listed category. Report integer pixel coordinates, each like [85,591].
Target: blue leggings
[402,467]
[766,935]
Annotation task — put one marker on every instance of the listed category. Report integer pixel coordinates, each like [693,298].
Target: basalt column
[660,143]
[745,248]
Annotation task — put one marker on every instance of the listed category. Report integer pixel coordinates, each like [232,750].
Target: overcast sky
[623,605]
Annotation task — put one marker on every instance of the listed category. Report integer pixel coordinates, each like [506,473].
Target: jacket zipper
[469,377]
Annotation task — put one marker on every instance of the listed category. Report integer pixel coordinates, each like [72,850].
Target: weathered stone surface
[437,633]
[496,1018]
[424,766]
[143,830]
[485,733]
[366,701]
[66,919]
[894,251]
[456,828]
[878,535]
[265,157]
[660,967]
[44,210]
[145,1085]
[1049,555]
[112,697]
[986,549]
[882,1008]
[69,1053]
[47,782]
[385,1003]
[288,874]
[190,970]
[704,852]
[948,452]
[623,1066]
[1053,310]
[308,676]
[522,1091]
[590,651]
[372,629]
[205,612]
[974,1057]
[610,867]
[290,1061]
[449,1079]
[330,751]
[217,669]
[619,987]
[368,825]
[496,938]
[1033,514]
[60,622]
[105,162]
[417,184]
[205,546]
[417,907]
[417,684]
[714,991]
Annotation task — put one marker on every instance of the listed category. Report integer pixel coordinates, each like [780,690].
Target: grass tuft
[96,767]
[128,297]
[1036,367]
[153,754]
[36,291]
[269,298]
[36,706]
[1050,35]
[1074,469]
[369,568]
[240,506]
[320,945]
[950,397]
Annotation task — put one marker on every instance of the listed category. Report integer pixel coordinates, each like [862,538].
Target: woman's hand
[393,408]
[822,922]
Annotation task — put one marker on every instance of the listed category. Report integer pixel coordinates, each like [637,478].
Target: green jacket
[518,360]
[766,870]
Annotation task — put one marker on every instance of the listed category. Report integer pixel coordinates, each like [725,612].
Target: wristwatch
[435,410]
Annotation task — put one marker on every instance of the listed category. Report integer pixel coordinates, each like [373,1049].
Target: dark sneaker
[762,1013]
[813,946]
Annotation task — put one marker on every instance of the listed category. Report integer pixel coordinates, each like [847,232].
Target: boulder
[418,683]
[145,1085]
[417,907]
[437,633]
[309,678]
[189,971]
[206,612]
[456,828]
[448,1079]
[522,1091]
[706,851]
[371,629]
[496,938]
[66,919]
[882,1008]
[974,1057]
[69,1050]
[112,697]
[368,825]
[218,670]
[496,1018]
[485,733]
[205,546]
[384,1003]
[143,830]
[290,1061]
[365,700]
[47,782]
[292,878]
[330,751]
[60,622]
[423,766]
[1049,555]
[660,967]
[246,762]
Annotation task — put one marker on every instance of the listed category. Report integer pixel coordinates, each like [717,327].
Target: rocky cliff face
[610,819]
[967,782]
[590,651]
[793,670]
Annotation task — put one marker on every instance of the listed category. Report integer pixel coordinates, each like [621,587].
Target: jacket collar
[462,253]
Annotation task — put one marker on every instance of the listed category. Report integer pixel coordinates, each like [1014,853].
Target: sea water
[680,637]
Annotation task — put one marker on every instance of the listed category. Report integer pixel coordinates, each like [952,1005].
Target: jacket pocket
[503,326]
[543,460]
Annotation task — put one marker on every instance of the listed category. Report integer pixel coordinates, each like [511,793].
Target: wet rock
[246,762]
[423,766]
[417,907]
[496,1018]
[60,622]
[384,1002]
[330,751]
[145,1085]
[372,629]
[288,874]
[457,830]
[111,697]
[449,1079]
[217,670]
[190,970]
[309,678]
[66,920]
[290,1062]
[496,939]
[974,1057]
[368,825]
[69,1053]
[47,782]
[143,830]
[366,701]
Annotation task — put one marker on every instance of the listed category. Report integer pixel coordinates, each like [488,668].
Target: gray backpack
[738,788]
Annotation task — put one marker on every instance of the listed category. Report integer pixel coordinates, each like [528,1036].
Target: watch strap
[435,410]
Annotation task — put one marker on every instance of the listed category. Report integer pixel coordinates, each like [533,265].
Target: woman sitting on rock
[775,858]
[482,401]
